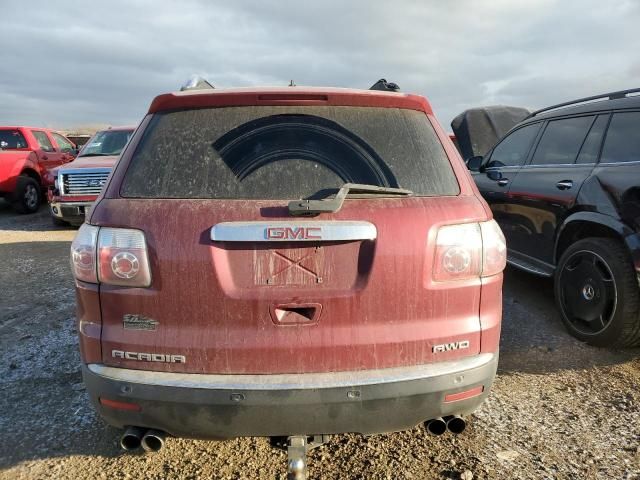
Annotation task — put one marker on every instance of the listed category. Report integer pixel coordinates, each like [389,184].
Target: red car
[78,183]
[288,262]
[27,156]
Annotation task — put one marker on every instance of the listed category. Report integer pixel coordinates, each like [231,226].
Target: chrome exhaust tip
[153,441]
[437,426]
[131,438]
[456,424]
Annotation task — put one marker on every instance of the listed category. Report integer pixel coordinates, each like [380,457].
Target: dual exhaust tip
[454,423]
[135,437]
[153,440]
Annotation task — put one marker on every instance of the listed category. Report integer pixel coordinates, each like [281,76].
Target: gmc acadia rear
[288,262]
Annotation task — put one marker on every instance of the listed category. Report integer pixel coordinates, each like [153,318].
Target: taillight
[122,258]
[494,249]
[114,256]
[83,254]
[468,250]
[458,252]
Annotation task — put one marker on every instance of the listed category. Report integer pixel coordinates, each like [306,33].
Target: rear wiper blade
[310,207]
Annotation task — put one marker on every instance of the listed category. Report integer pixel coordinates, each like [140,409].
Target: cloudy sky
[70,63]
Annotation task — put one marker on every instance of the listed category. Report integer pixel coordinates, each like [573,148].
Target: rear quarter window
[12,140]
[622,142]
[286,153]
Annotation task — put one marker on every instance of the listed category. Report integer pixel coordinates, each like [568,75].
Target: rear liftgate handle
[295,313]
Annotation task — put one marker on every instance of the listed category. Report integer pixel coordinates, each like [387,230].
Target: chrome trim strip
[71,204]
[556,165]
[294,381]
[94,170]
[293,231]
[543,166]
[615,164]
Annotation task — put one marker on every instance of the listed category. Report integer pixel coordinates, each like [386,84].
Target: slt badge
[138,322]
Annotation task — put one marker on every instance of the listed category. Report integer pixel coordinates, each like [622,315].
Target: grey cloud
[69,62]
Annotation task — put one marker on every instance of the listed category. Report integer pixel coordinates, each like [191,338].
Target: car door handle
[564,185]
[503,181]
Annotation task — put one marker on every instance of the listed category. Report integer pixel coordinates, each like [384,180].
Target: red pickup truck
[78,184]
[27,156]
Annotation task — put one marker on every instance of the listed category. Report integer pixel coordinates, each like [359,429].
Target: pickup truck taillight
[113,256]
[469,250]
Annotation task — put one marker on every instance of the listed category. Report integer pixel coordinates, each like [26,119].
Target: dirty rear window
[286,153]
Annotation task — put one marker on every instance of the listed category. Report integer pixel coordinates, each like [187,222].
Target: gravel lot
[559,409]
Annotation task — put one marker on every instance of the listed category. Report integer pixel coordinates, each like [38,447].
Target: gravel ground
[558,409]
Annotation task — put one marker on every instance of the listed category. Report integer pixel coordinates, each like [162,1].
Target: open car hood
[477,130]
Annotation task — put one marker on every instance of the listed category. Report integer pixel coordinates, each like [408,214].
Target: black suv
[564,185]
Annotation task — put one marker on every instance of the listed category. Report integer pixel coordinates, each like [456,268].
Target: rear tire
[597,293]
[27,196]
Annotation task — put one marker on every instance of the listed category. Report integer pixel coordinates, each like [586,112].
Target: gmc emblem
[446,347]
[297,233]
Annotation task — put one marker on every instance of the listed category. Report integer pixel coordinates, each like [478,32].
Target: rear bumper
[225,406]
[72,212]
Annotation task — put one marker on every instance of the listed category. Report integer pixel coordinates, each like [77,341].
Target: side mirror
[474,163]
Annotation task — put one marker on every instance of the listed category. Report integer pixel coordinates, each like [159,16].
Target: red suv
[288,262]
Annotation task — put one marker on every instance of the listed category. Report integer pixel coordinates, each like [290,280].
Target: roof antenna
[196,82]
[385,86]
[292,84]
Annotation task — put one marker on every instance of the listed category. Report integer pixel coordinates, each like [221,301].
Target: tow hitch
[297,447]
